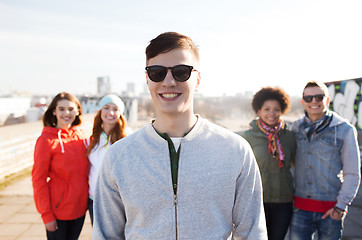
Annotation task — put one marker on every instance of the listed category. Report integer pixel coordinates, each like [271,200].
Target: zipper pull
[175,200]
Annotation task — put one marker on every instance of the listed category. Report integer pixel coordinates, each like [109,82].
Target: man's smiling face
[170,96]
[315,109]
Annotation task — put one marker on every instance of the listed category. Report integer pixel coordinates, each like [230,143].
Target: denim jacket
[318,163]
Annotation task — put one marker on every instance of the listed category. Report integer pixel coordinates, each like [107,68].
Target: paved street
[19,219]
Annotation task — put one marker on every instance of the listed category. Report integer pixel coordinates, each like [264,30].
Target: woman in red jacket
[60,170]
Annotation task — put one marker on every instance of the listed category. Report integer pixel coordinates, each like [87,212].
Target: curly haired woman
[274,148]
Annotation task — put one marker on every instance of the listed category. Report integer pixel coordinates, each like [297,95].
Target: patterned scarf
[312,128]
[274,147]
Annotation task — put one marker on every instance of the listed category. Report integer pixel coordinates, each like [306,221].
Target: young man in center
[179,177]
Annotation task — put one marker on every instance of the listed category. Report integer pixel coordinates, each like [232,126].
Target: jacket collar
[336,120]
[199,126]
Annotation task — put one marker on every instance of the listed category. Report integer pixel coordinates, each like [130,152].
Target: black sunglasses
[309,98]
[180,73]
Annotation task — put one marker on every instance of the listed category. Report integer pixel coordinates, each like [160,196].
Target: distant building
[249,93]
[131,89]
[103,85]
[145,89]
[145,93]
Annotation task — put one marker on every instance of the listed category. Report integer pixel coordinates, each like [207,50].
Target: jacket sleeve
[248,212]
[109,212]
[40,173]
[293,149]
[350,156]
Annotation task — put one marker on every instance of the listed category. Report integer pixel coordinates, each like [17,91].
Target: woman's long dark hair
[50,120]
[117,132]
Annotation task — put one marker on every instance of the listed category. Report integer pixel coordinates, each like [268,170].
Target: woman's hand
[51,226]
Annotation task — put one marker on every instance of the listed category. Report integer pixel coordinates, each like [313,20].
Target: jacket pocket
[329,147]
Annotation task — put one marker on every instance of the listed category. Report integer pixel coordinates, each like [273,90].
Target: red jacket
[60,174]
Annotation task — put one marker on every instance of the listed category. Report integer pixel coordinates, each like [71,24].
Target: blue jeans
[305,224]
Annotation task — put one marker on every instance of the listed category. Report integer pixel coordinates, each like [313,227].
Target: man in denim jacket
[327,168]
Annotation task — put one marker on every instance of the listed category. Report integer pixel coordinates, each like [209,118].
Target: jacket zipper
[175,204]
[60,199]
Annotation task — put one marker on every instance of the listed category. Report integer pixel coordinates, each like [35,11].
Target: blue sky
[51,46]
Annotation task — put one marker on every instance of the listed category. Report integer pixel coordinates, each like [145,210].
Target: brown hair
[49,120]
[317,84]
[269,93]
[168,41]
[117,132]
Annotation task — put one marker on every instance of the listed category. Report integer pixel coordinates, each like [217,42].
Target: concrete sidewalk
[19,219]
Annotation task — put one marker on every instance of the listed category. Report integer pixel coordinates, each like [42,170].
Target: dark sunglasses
[180,73]
[309,98]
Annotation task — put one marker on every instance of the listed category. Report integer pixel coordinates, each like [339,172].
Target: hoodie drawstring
[60,140]
[335,135]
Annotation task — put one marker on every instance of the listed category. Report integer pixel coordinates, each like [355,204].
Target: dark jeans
[90,208]
[278,217]
[67,229]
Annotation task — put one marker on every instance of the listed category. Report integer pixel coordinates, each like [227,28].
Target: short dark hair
[269,93]
[168,41]
[321,85]
[49,120]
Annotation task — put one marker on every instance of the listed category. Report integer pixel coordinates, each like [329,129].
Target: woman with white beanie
[109,126]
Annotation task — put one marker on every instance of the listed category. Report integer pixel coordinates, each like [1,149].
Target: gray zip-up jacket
[219,193]
[318,163]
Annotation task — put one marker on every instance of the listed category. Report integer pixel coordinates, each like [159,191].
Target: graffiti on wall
[346,100]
